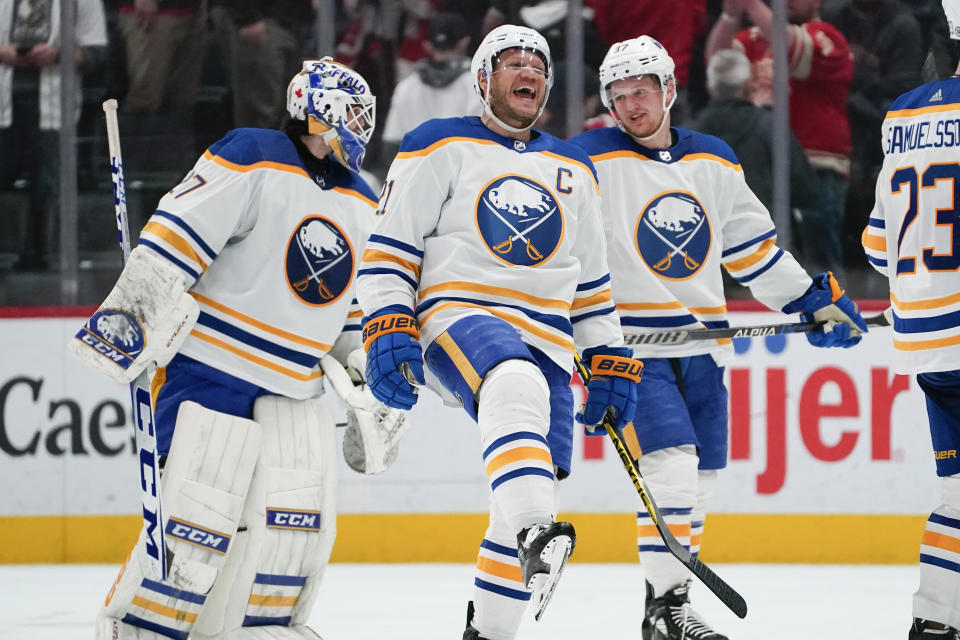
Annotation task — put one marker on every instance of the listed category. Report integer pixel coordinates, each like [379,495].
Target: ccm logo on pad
[194,534]
[291,519]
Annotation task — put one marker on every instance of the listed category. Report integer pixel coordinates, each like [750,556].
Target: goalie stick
[760,331]
[159,557]
[727,595]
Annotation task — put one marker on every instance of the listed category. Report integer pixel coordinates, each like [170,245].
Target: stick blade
[718,586]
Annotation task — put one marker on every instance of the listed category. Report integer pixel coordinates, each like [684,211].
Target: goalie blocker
[251,520]
[143,320]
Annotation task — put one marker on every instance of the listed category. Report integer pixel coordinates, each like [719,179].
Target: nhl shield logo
[673,235]
[318,261]
[519,220]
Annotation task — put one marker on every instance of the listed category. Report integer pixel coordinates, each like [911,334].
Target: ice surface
[595,601]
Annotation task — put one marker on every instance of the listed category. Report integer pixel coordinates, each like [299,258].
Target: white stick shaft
[141,406]
[116,168]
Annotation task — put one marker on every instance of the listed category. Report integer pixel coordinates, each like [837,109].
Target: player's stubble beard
[500,105]
[649,127]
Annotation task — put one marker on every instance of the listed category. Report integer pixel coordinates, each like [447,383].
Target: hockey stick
[760,331]
[158,556]
[727,595]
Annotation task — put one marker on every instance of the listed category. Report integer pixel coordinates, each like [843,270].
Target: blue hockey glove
[391,341]
[613,385]
[825,301]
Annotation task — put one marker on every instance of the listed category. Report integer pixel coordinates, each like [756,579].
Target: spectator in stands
[412,25]
[940,50]
[164,47]
[676,25]
[821,69]
[549,17]
[748,129]
[887,49]
[553,120]
[263,46]
[440,87]
[934,32]
[30,103]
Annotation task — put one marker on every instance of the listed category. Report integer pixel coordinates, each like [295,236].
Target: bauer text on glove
[391,339]
[613,385]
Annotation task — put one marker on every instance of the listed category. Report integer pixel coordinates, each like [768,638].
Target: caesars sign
[811,431]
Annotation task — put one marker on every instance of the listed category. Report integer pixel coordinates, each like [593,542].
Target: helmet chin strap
[488,110]
[663,120]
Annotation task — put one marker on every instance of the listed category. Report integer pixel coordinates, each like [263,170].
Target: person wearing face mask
[676,209]
[488,265]
[887,49]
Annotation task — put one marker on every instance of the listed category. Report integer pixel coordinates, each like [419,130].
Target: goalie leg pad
[671,476]
[204,484]
[290,523]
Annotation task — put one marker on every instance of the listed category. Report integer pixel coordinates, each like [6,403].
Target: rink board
[830,461]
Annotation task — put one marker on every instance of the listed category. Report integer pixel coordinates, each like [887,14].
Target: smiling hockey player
[675,209]
[489,253]
[259,244]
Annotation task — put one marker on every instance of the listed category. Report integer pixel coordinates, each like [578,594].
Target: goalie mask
[336,102]
[636,58]
[485,63]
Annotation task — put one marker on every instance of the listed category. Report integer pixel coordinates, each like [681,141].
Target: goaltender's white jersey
[672,217]
[472,222]
[913,235]
[271,257]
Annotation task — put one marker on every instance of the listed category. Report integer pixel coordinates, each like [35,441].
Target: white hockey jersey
[271,257]
[913,235]
[472,222]
[672,217]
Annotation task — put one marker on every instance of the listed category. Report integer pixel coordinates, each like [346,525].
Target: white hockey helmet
[505,37]
[336,102]
[635,58]
[952,9]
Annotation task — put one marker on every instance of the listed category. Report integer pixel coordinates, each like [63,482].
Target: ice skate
[930,630]
[670,617]
[543,551]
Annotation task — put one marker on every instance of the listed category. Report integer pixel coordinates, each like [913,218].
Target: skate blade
[543,585]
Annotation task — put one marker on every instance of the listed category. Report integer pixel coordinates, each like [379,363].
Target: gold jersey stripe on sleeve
[176,241]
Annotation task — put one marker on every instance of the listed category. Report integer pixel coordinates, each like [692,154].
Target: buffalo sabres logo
[673,235]
[319,261]
[519,220]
